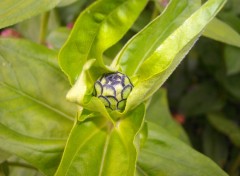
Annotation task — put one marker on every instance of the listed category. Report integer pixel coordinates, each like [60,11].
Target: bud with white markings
[113,89]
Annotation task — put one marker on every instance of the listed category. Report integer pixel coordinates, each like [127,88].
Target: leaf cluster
[45,134]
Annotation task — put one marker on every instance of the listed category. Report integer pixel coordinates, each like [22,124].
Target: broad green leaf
[158,112]
[96,29]
[33,111]
[97,147]
[231,57]
[148,40]
[158,67]
[32,90]
[220,31]
[14,11]
[165,155]
[44,154]
[226,126]
[180,41]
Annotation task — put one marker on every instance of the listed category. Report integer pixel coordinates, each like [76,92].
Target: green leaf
[158,112]
[180,41]
[165,155]
[96,29]
[231,57]
[141,46]
[226,126]
[44,154]
[220,31]
[35,118]
[97,147]
[14,11]
[231,19]
[157,68]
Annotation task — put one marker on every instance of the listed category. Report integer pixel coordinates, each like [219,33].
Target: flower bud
[113,89]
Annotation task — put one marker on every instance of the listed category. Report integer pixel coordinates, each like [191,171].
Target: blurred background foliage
[205,91]
[202,95]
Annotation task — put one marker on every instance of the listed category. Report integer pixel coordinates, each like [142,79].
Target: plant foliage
[48,114]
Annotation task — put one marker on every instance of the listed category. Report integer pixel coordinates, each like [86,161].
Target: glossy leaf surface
[97,147]
[14,11]
[180,41]
[97,28]
[35,118]
[165,155]
[157,68]
[139,48]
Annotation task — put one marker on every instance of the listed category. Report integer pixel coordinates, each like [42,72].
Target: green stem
[43,27]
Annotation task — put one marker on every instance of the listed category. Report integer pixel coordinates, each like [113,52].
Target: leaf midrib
[85,141]
[104,153]
[37,101]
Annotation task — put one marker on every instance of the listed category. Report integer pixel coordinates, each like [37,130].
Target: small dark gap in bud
[115,83]
[123,80]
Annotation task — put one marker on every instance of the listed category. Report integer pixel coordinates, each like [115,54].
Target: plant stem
[43,27]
